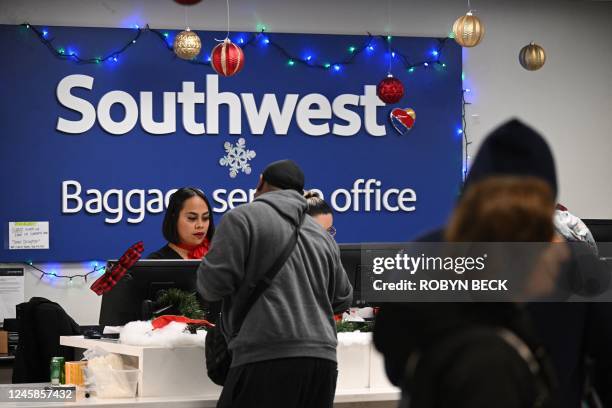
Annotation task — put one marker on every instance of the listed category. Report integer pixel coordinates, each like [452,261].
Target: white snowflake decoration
[237,158]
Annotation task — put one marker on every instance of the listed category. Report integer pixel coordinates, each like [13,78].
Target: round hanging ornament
[390,90]
[468,30]
[227,58]
[532,57]
[187,44]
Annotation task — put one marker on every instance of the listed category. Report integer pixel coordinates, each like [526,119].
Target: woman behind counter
[188,226]
[320,211]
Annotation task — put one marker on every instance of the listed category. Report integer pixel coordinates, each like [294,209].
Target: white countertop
[199,401]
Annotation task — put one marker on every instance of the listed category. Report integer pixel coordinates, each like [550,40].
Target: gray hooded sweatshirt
[294,316]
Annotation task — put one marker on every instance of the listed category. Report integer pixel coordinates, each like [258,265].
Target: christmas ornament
[402,119]
[468,30]
[532,57]
[187,2]
[187,44]
[227,58]
[390,90]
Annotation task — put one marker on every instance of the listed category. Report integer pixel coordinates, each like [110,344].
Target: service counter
[176,377]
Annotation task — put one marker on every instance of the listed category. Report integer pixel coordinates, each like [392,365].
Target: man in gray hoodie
[284,354]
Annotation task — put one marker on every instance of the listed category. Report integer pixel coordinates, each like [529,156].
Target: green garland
[185,302]
[364,327]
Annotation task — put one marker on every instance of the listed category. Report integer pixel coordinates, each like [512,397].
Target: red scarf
[195,251]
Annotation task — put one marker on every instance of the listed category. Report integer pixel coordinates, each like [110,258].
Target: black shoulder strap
[266,280]
[446,348]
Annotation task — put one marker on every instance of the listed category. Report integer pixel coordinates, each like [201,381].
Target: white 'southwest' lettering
[314,114]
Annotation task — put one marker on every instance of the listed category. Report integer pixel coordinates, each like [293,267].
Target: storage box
[110,383]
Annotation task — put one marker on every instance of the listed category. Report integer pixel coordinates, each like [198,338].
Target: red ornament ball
[187,2]
[390,90]
[227,58]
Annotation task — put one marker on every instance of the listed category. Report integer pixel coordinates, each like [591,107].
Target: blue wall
[38,154]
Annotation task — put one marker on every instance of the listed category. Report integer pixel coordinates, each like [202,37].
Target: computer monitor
[602,233]
[124,302]
[350,256]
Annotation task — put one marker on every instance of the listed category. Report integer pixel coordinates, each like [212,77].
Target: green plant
[186,303]
[364,327]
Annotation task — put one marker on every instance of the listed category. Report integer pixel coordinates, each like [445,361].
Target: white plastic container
[111,383]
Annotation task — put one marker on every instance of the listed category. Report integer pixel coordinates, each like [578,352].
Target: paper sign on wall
[29,235]
[11,291]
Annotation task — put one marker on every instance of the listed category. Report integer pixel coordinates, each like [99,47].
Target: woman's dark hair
[504,209]
[316,205]
[177,199]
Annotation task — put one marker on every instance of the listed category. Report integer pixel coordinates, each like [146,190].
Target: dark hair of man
[316,205]
[177,199]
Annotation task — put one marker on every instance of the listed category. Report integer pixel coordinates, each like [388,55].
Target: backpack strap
[523,350]
[445,348]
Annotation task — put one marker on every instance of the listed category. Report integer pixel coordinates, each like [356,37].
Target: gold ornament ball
[187,44]
[468,30]
[532,57]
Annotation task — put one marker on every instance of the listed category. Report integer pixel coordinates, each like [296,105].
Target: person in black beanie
[281,175]
[570,332]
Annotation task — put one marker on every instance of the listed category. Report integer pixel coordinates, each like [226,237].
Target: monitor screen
[350,256]
[143,281]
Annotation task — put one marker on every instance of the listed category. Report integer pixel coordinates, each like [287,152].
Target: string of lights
[54,274]
[466,141]
[369,45]
[47,40]
[265,39]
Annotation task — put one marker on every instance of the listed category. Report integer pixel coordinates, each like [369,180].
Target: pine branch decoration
[186,303]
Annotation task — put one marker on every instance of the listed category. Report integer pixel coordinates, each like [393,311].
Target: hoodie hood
[289,203]
[514,149]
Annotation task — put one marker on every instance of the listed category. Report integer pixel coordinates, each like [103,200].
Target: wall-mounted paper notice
[11,291]
[29,235]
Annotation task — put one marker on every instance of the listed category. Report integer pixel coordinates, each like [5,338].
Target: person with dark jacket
[284,354]
[481,355]
[569,332]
